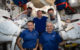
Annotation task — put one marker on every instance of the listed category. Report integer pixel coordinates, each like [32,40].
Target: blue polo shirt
[29,38]
[40,24]
[50,41]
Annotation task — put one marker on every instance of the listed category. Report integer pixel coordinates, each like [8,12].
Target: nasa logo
[53,35]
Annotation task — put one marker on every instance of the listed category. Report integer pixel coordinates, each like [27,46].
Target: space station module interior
[13,10]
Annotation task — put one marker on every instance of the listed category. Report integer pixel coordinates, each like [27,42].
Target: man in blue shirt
[50,39]
[40,22]
[29,37]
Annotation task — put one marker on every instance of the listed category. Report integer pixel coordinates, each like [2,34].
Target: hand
[22,49]
[35,49]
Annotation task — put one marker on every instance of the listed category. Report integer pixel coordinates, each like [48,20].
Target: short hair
[29,8]
[43,12]
[30,22]
[49,22]
[39,11]
[50,9]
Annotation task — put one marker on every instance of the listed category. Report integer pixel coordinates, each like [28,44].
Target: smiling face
[49,27]
[30,26]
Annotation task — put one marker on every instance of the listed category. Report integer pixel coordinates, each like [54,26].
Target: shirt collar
[30,31]
[41,17]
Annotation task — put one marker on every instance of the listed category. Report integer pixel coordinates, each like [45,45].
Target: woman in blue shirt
[29,37]
[50,39]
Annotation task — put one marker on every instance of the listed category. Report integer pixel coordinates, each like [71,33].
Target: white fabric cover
[74,3]
[76,16]
[4,13]
[73,33]
[8,27]
[4,38]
